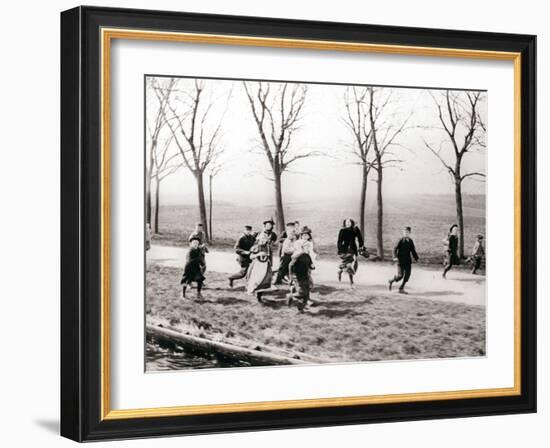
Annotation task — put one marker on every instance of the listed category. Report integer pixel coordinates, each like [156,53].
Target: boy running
[242,249]
[402,253]
[478,252]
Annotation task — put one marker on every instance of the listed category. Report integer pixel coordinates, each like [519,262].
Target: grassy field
[429,216]
[340,326]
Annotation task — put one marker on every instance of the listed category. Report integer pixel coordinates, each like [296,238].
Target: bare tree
[386,126]
[277,109]
[155,123]
[195,122]
[356,118]
[164,164]
[460,121]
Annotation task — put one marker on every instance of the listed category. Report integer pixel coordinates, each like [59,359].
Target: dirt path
[425,283]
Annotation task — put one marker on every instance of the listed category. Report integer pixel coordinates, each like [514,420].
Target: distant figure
[200,235]
[260,272]
[350,242]
[242,249]
[301,265]
[403,251]
[194,269]
[451,243]
[286,249]
[478,252]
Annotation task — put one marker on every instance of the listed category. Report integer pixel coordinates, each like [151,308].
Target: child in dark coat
[451,255]
[404,251]
[195,266]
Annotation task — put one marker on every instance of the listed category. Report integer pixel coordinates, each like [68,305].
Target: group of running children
[297,257]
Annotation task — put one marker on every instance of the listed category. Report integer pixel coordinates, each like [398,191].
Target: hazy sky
[322,129]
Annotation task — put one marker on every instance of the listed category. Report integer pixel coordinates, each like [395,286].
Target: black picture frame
[81,224]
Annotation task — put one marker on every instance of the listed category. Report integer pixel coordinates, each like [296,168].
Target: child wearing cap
[195,266]
[243,247]
[478,252]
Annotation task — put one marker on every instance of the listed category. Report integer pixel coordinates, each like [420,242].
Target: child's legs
[400,273]
[448,264]
[477,263]
[406,275]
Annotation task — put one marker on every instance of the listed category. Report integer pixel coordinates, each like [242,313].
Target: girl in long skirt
[195,266]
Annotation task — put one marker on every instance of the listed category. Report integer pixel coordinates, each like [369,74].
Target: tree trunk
[459,214]
[202,204]
[148,183]
[157,206]
[380,211]
[210,207]
[279,211]
[363,201]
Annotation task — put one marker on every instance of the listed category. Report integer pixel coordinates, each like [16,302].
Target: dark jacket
[243,246]
[404,249]
[347,238]
[452,244]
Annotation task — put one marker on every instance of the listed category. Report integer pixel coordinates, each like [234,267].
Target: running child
[478,252]
[195,266]
[403,252]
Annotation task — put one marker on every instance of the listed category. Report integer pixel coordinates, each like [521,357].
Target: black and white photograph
[304,223]
[281,222]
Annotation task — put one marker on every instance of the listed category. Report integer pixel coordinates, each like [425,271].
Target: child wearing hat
[301,265]
[478,252]
[199,233]
[403,252]
[195,266]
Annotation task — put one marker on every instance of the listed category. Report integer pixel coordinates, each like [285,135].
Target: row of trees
[191,121]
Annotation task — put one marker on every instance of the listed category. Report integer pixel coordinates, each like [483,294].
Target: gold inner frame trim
[107,35]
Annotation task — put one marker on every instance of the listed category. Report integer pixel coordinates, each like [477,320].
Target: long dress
[260,271]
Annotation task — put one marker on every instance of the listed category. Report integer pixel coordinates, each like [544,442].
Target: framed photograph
[274,223]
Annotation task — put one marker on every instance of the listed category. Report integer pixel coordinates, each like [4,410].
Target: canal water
[160,357]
